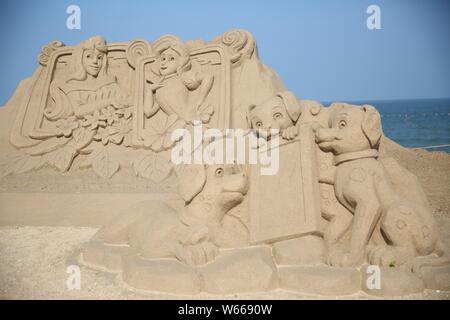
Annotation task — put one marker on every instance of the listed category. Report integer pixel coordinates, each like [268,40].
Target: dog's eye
[219,172]
[342,124]
[258,124]
[278,116]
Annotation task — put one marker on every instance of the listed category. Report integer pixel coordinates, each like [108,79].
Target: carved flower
[94,120]
[122,131]
[109,115]
[117,133]
[104,134]
[125,113]
[65,127]
[161,131]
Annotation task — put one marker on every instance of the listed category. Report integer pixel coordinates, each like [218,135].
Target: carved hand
[290,133]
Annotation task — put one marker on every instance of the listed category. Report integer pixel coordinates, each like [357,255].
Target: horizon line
[380,100]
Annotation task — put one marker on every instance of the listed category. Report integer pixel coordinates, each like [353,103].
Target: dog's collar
[371,153]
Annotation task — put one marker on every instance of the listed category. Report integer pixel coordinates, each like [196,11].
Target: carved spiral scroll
[137,49]
[47,51]
[240,43]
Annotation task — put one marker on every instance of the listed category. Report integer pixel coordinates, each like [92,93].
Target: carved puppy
[363,186]
[155,230]
[279,112]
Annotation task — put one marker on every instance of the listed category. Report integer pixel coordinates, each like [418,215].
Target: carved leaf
[62,158]
[20,164]
[152,166]
[102,163]
[82,137]
[31,163]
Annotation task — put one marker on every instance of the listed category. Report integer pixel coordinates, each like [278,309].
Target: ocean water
[423,123]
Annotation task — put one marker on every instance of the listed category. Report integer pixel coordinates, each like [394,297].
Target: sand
[431,168]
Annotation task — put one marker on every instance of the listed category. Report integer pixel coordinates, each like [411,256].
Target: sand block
[241,270]
[162,275]
[436,278]
[320,280]
[393,282]
[287,204]
[309,249]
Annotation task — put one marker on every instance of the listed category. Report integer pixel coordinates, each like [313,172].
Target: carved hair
[181,50]
[96,42]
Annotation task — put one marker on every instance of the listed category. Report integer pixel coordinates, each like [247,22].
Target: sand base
[34,261]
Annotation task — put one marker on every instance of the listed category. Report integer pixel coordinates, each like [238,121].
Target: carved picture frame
[27,130]
[222,113]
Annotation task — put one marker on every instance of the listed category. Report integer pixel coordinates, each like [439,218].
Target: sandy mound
[431,168]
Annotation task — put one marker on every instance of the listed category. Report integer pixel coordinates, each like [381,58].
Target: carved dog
[156,230]
[401,230]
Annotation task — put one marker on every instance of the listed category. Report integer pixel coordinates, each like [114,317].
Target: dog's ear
[293,107]
[247,117]
[191,180]
[371,125]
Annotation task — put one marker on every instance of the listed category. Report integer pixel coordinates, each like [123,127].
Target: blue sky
[322,49]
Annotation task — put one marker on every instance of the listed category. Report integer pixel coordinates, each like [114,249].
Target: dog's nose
[321,135]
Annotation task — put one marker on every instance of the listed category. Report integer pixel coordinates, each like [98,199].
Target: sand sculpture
[333,209]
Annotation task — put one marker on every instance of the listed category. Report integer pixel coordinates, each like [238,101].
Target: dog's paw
[193,234]
[341,258]
[198,254]
[384,256]
[289,133]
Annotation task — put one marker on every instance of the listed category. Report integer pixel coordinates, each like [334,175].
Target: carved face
[169,61]
[351,129]
[93,61]
[271,114]
[224,186]
[227,183]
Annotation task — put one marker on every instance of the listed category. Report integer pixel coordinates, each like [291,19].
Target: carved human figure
[170,79]
[400,230]
[90,87]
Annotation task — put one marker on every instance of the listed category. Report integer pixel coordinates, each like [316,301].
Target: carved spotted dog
[401,230]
